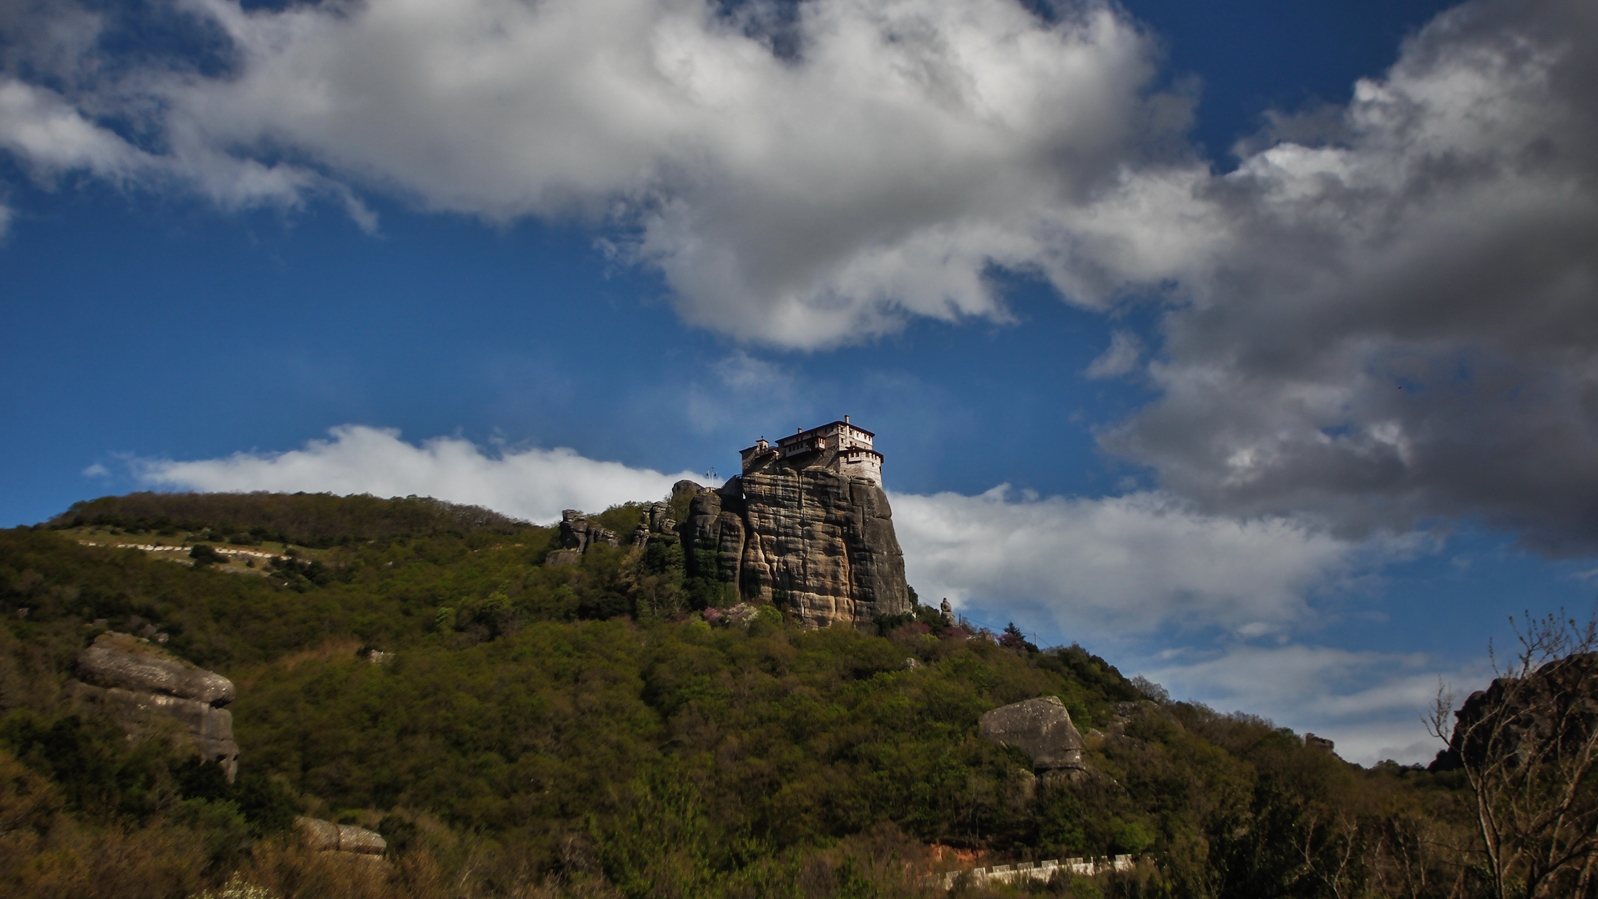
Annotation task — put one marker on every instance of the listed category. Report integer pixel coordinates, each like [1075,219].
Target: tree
[1528,746]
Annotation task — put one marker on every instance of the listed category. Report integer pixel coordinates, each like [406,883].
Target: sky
[1248,344]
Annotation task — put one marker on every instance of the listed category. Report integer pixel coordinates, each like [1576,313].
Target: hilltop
[614,726]
[311,519]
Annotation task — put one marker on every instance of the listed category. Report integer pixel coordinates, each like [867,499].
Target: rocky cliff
[816,543]
[144,688]
[1554,709]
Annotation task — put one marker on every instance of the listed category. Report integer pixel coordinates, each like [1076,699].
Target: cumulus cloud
[534,484]
[801,185]
[1115,566]
[1399,320]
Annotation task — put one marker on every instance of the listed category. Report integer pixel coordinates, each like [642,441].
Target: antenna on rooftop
[711,475]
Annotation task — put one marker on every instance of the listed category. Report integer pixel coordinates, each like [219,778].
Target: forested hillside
[516,729]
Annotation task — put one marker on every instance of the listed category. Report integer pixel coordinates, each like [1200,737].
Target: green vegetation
[516,729]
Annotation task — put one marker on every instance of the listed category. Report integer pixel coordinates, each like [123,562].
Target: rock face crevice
[800,532]
[144,688]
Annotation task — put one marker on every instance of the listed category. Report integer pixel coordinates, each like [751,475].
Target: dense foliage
[309,519]
[519,729]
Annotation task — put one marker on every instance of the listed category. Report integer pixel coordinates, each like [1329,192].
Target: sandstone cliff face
[144,688]
[813,542]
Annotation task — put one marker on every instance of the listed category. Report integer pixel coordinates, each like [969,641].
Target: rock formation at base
[806,527]
[1041,728]
[144,688]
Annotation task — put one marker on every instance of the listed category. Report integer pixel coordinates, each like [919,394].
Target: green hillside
[521,730]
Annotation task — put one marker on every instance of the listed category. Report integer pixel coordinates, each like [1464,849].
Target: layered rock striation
[144,689]
[806,527]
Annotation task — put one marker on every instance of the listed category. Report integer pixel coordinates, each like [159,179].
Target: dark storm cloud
[1401,325]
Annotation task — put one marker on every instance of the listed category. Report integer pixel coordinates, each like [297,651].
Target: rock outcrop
[145,688]
[817,544]
[578,533]
[806,527]
[349,845]
[1041,728]
[1553,707]
[822,545]
[325,836]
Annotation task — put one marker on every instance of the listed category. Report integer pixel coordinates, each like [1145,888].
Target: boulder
[146,690]
[325,836]
[316,834]
[1041,728]
[125,661]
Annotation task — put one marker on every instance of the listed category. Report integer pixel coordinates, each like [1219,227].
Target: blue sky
[1249,344]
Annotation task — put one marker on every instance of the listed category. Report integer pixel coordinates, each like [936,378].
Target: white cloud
[50,134]
[1369,703]
[1122,356]
[1116,566]
[96,471]
[802,200]
[535,484]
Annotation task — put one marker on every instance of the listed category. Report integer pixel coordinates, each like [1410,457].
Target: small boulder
[1041,728]
[325,836]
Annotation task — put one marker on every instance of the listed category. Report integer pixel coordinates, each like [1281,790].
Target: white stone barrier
[1022,871]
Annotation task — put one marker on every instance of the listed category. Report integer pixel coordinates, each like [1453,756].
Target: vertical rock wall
[813,542]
